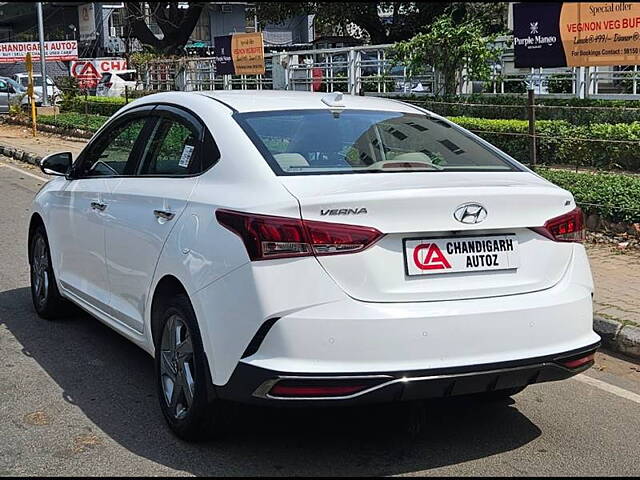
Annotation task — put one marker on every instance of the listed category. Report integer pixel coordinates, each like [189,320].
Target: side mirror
[56,163]
[4,88]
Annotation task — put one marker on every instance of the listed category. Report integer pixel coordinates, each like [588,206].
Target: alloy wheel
[40,270]
[177,372]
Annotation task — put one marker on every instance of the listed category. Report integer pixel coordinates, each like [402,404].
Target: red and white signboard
[63,50]
[461,254]
[89,71]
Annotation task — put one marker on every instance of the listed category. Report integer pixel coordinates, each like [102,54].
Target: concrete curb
[618,337]
[20,155]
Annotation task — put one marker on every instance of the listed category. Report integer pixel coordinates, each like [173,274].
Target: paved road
[77,399]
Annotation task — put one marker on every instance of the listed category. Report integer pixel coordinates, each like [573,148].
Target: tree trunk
[176,24]
[450,83]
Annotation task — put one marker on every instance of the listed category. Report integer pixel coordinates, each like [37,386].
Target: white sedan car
[113,84]
[293,248]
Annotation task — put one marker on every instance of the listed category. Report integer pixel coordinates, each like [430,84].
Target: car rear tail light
[267,237]
[568,227]
[578,362]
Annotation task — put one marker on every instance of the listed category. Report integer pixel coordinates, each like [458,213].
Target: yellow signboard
[247,52]
[601,33]
[576,34]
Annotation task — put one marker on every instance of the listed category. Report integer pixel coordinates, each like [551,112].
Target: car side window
[173,149]
[112,152]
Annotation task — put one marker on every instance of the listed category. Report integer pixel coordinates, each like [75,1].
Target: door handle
[164,214]
[98,206]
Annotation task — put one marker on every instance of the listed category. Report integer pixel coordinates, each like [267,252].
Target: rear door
[144,207]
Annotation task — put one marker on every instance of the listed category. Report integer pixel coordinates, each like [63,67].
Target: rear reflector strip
[314,391]
[579,361]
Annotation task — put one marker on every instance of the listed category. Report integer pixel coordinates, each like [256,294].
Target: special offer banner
[239,54]
[576,34]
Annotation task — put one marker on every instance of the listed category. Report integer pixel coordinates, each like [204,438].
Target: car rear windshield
[299,142]
[37,81]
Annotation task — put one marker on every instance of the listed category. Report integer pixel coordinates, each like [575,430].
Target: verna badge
[470,213]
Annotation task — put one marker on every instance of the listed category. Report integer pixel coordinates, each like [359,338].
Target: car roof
[271,100]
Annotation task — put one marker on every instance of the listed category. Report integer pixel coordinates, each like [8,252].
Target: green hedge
[93,105]
[577,116]
[569,148]
[73,120]
[615,197]
[99,105]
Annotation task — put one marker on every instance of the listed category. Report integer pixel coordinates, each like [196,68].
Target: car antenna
[334,100]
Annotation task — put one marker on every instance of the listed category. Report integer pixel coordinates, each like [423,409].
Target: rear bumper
[294,319]
[250,384]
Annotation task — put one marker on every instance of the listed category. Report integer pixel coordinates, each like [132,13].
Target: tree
[449,47]
[383,22]
[176,24]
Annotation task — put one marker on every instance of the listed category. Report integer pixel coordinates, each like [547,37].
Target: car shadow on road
[111,381]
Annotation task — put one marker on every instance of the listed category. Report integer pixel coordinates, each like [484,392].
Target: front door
[145,208]
[81,241]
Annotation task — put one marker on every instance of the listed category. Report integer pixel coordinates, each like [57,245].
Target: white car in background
[54,93]
[12,93]
[112,84]
[294,248]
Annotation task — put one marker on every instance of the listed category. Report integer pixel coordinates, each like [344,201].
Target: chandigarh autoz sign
[424,256]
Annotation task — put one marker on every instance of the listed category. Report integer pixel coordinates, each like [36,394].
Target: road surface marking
[607,387]
[24,172]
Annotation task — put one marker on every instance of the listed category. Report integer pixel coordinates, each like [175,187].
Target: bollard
[531,115]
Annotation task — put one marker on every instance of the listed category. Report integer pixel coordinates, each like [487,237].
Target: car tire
[183,380]
[47,301]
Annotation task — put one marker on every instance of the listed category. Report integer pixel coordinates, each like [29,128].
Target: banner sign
[64,50]
[89,71]
[576,34]
[239,54]
[87,22]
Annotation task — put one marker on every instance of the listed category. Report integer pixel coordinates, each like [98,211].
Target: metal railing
[368,69]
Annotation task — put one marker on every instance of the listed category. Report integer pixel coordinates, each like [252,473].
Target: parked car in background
[112,84]
[54,93]
[12,93]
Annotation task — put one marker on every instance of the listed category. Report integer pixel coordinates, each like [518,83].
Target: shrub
[100,105]
[514,107]
[568,148]
[94,105]
[615,197]
[73,120]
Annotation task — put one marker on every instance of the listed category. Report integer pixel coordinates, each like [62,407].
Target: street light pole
[43,63]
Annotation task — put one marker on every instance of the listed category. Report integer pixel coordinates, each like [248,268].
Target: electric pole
[43,63]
